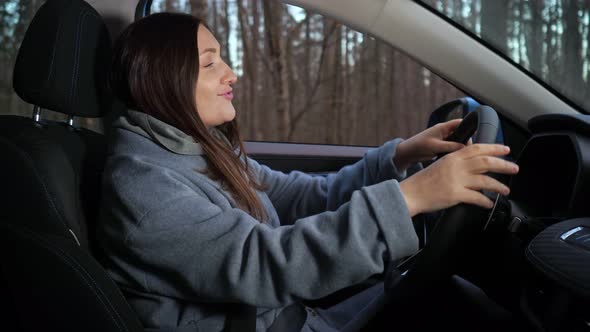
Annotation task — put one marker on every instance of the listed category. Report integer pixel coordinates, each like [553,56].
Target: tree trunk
[551,42]
[225,53]
[255,82]
[214,20]
[473,17]
[247,80]
[170,5]
[337,96]
[375,125]
[347,109]
[278,61]
[199,9]
[494,19]
[392,86]
[572,45]
[307,58]
[534,37]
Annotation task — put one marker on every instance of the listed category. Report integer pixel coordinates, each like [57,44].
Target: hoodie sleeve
[186,246]
[298,194]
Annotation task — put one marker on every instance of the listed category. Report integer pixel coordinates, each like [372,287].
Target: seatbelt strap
[291,319]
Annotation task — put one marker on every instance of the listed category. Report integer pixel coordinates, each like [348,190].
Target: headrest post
[70,120]
[36,113]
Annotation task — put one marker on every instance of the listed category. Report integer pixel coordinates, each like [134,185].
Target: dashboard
[554,180]
[549,217]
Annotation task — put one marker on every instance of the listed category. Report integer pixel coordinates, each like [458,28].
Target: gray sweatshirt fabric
[177,246]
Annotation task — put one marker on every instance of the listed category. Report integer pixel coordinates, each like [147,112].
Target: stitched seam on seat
[78,268]
[76,57]
[80,214]
[49,197]
[99,297]
[52,55]
[81,18]
[76,73]
[50,74]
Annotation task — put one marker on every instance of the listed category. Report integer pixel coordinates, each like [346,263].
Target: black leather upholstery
[50,181]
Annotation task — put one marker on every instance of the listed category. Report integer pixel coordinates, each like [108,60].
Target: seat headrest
[63,62]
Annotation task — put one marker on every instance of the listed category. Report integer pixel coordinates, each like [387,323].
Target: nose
[229,77]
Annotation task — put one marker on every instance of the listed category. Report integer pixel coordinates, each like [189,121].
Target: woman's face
[214,93]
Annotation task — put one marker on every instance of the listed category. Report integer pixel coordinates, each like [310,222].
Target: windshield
[548,38]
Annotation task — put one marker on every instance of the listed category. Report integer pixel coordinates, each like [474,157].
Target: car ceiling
[427,38]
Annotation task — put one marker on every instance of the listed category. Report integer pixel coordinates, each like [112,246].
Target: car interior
[526,260]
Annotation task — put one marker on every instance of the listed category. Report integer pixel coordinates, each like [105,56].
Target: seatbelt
[242,318]
[291,319]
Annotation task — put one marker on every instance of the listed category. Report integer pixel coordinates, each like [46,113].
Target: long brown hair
[154,70]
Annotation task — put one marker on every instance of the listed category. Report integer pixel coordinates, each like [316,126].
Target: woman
[190,223]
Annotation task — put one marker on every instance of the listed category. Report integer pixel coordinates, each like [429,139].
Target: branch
[307,106]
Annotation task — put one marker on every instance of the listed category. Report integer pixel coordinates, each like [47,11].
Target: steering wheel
[456,227]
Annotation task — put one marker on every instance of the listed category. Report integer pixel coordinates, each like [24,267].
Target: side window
[306,78]
[15,17]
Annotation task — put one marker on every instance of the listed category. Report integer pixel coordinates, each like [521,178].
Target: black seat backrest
[50,179]
[50,172]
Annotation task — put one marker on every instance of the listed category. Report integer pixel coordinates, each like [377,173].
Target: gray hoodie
[176,244]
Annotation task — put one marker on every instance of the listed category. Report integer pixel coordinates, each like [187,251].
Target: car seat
[50,174]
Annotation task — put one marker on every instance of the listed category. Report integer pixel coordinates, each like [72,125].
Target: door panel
[310,158]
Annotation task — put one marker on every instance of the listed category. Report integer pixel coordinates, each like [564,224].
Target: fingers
[452,124]
[449,126]
[477,198]
[445,147]
[483,164]
[484,150]
[484,182]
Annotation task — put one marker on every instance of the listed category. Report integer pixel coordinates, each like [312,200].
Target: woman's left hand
[426,145]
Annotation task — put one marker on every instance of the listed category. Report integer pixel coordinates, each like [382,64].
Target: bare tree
[277,58]
[302,77]
[534,36]
[199,8]
[572,49]
[494,22]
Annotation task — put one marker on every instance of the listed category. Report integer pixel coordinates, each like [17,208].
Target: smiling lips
[229,95]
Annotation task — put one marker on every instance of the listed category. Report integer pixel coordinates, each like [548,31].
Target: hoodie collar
[170,137]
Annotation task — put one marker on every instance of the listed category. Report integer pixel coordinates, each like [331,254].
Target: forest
[306,78]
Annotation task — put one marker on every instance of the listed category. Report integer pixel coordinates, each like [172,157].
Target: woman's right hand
[457,178]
